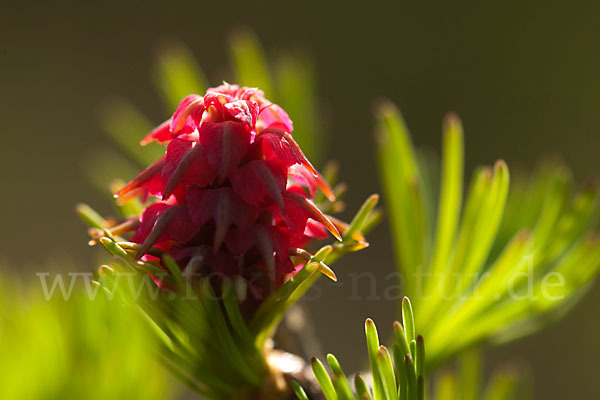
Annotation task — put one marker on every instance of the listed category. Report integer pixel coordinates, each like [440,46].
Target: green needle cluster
[395,375]
[503,263]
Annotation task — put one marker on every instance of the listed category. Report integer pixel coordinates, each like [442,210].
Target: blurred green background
[523,76]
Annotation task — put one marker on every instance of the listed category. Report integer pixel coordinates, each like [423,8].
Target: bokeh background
[524,77]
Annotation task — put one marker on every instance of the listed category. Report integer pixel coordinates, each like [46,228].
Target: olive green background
[523,75]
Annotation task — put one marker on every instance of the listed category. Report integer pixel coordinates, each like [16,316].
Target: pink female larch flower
[233,190]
